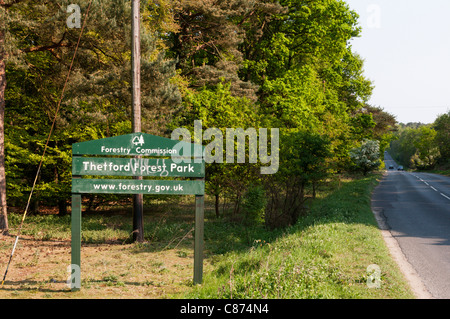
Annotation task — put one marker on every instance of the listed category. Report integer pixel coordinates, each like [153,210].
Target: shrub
[254,204]
[366,158]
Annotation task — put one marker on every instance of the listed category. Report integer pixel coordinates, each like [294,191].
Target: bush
[366,158]
[303,162]
[253,205]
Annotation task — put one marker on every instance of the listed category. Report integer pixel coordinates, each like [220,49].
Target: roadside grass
[112,266]
[325,255]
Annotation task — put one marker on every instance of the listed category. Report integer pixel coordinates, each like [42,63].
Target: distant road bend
[416,208]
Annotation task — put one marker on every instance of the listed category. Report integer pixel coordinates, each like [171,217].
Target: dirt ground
[114,270]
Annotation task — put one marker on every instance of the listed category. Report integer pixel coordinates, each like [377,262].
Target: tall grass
[325,255]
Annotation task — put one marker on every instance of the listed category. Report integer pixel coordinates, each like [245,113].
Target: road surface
[416,209]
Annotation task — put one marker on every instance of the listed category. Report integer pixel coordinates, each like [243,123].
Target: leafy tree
[442,128]
[297,53]
[427,152]
[362,126]
[366,158]
[309,77]
[402,147]
[277,64]
[385,126]
[218,109]
[303,162]
[301,32]
[416,146]
[373,123]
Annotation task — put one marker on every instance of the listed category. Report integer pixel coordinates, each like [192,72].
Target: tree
[416,146]
[300,33]
[303,162]
[442,128]
[3,56]
[362,126]
[427,152]
[366,158]
[3,203]
[373,123]
[207,42]
[36,57]
[309,77]
[403,148]
[218,109]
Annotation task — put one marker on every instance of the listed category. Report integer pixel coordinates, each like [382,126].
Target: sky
[406,48]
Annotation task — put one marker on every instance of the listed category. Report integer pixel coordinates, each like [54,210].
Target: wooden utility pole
[138,206]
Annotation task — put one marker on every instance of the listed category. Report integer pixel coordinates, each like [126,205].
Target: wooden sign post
[141,155]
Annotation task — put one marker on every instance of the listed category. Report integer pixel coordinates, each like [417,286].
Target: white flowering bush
[367,157]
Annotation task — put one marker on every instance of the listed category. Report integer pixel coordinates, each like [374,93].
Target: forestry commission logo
[138,140]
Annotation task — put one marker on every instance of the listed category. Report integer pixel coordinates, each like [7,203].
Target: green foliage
[254,204]
[304,155]
[442,138]
[96,103]
[366,158]
[303,162]
[362,126]
[230,64]
[296,100]
[426,151]
[217,108]
[420,146]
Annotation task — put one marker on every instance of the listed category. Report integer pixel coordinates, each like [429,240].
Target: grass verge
[326,255]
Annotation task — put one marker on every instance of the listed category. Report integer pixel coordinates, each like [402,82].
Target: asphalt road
[416,209]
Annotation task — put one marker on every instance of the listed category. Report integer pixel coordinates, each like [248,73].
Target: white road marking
[430,186]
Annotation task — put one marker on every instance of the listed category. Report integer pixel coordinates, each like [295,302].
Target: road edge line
[413,278]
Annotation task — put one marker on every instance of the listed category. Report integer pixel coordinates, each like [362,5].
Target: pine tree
[37,48]
[209,39]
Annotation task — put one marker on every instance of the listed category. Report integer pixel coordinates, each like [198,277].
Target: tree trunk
[3,207]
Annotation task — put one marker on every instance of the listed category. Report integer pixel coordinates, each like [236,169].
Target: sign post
[160,175]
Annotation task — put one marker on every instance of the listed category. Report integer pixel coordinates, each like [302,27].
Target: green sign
[135,167]
[132,186]
[134,150]
[137,144]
